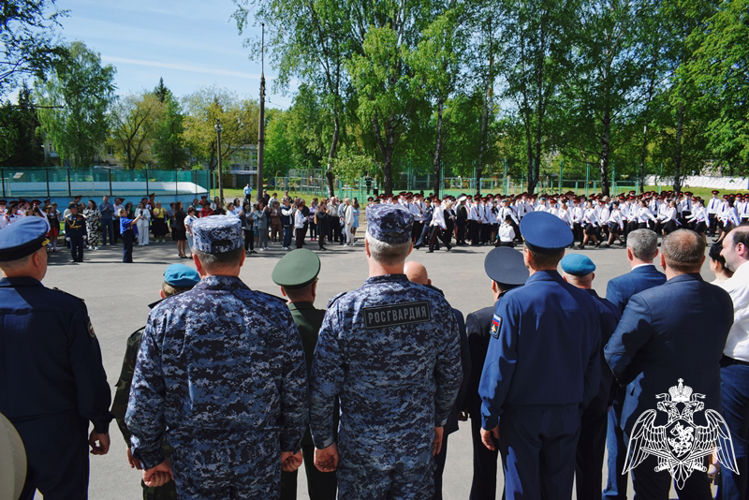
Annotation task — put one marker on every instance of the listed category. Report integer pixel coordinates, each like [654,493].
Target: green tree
[239,119]
[169,146]
[718,69]
[161,91]
[278,152]
[134,120]
[74,102]
[309,39]
[20,144]
[609,80]
[437,63]
[536,45]
[27,40]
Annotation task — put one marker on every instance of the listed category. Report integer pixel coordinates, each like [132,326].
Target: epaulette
[335,297]
[66,293]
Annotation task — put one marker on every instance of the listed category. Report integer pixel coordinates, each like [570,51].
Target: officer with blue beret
[390,351]
[542,368]
[296,274]
[178,278]
[52,378]
[579,270]
[505,268]
[221,373]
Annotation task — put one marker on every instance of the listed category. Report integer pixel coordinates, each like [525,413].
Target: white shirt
[438,217]
[737,343]
[506,233]
[299,220]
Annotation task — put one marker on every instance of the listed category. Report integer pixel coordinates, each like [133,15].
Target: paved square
[117,296]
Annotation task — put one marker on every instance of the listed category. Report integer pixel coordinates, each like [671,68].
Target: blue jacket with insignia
[391,351]
[547,350]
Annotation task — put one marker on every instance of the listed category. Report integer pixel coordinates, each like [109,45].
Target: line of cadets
[596,220]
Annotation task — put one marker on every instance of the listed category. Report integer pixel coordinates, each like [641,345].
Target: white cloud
[180,67]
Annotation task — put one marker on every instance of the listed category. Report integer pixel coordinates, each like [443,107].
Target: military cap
[543,231]
[505,265]
[72,204]
[22,238]
[715,191]
[389,224]
[181,276]
[13,458]
[296,269]
[577,264]
[217,234]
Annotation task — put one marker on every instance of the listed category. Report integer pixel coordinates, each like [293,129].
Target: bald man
[417,273]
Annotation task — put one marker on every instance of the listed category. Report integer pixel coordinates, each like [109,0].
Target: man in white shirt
[735,364]
[713,208]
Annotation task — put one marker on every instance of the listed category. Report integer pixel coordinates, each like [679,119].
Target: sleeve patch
[91,329]
[496,325]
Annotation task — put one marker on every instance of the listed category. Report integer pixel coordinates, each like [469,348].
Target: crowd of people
[227,391]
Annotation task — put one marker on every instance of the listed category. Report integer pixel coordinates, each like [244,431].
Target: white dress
[143,238]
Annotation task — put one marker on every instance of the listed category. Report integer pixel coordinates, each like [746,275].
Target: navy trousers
[735,402]
[76,248]
[484,485]
[538,445]
[591,447]
[107,230]
[57,456]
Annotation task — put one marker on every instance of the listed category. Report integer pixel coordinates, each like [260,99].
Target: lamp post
[219,128]
[261,125]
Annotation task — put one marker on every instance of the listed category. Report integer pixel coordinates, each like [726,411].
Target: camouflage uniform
[391,351]
[119,407]
[221,371]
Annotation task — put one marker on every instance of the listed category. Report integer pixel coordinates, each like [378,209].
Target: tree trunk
[438,151]
[329,175]
[678,153]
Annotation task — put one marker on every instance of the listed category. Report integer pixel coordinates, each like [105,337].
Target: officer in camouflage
[221,372]
[177,279]
[390,351]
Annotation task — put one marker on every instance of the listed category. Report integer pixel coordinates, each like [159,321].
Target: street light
[219,128]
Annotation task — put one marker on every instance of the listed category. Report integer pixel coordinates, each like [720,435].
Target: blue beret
[389,223]
[577,264]
[181,276]
[217,234]
[543,231]
[505,265]
[22,238]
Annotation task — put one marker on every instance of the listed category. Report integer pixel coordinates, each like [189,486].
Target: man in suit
[417,273]
[506,269]
[642,248]
[652,348]
[735,364]
[579,271]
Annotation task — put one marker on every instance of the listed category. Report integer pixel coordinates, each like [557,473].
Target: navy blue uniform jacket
[50,360]
[676,330]
[546,351]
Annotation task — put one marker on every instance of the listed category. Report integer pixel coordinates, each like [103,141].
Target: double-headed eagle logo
[680,445]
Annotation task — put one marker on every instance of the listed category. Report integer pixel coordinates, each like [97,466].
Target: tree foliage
[134,120]
[27,40]
[75,100]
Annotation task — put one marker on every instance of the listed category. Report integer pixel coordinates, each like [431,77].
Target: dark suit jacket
[478,324]
[465,359]
[676,330]
[620,289]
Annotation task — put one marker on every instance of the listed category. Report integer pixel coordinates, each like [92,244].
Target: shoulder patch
[496,325]
[396,314]
[91,329]
[335,297]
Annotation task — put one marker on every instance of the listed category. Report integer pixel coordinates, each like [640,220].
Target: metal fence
[96,181]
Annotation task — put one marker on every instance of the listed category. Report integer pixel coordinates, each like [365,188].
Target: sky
[191,44]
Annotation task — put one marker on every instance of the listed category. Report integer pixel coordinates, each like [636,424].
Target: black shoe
[430,251]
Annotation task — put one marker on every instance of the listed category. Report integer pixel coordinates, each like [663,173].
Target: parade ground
[117,296]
